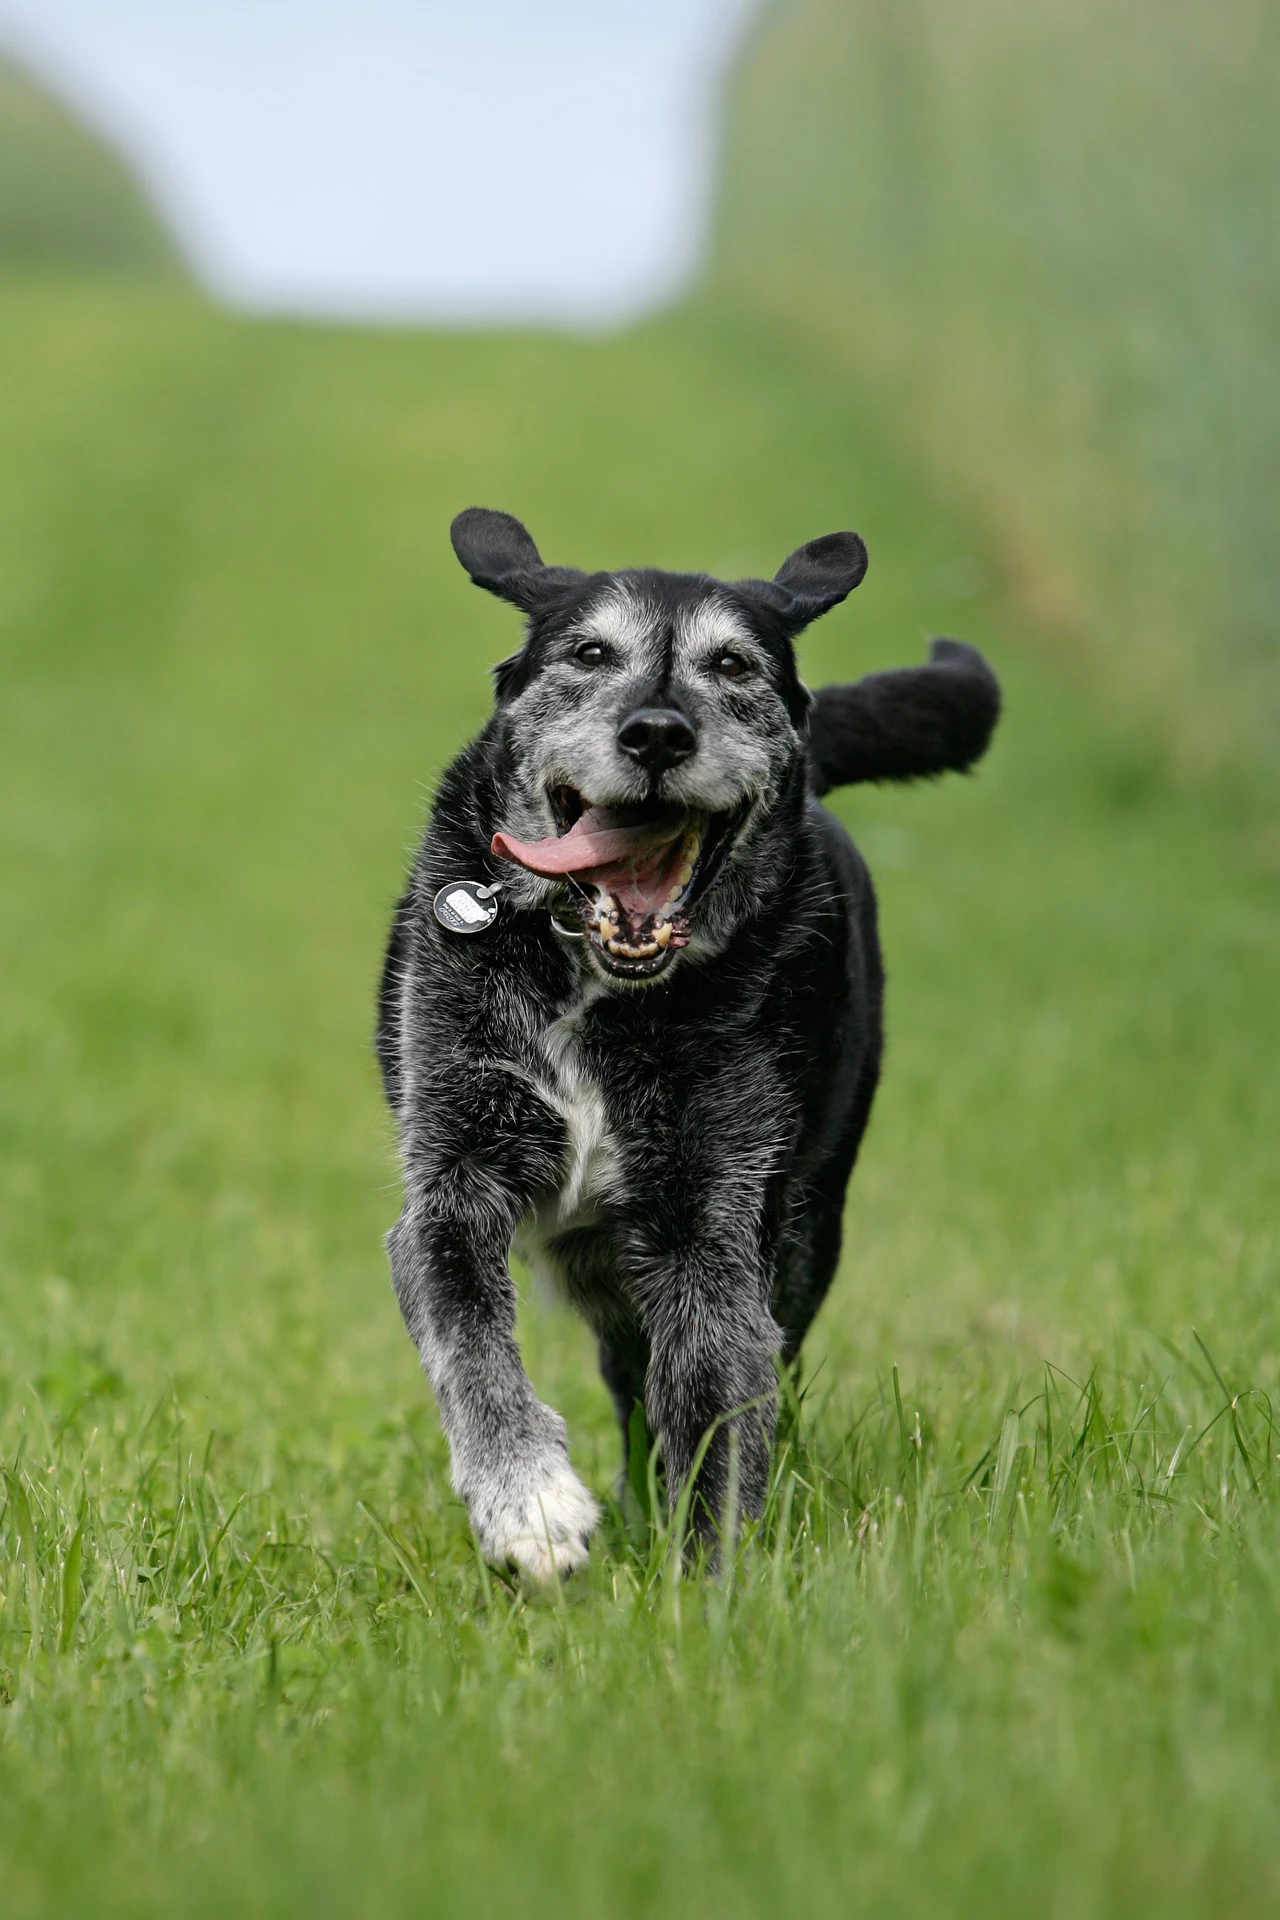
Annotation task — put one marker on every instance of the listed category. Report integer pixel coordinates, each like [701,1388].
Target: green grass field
[1007,1641]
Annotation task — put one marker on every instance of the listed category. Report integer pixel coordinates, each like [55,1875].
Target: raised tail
[906,724]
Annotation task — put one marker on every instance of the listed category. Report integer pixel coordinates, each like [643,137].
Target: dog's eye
[590,653]
[731,665]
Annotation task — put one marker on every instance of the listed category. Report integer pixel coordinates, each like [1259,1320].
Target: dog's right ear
[500,556]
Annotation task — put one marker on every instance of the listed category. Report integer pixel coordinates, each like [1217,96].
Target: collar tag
[464,906]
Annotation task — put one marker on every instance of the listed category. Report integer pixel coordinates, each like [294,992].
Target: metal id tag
[464,906]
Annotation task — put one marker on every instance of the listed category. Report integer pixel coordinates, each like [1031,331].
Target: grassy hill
[67,200]
[1047,236]
[1006,1640]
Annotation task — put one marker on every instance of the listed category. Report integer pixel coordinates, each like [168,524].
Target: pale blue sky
[406,158]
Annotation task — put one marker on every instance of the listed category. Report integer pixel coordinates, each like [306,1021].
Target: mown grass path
[1007,1639]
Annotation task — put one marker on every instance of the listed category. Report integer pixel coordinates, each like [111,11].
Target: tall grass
[965,1655]
[1047,235]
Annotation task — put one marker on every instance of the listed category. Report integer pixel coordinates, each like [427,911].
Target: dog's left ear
[812,580]
[821,574]
[500,556]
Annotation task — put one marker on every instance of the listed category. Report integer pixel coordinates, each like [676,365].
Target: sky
[469,161]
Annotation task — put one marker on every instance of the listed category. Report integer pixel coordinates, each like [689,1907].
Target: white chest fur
[593,1172]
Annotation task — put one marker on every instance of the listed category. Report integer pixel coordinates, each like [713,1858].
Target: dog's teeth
[683,877]
[615,945]
[662,933]
[608,928]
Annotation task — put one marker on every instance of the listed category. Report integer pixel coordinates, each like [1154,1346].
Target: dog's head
[651,725]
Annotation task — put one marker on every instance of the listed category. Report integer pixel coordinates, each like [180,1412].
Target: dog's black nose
[658,737]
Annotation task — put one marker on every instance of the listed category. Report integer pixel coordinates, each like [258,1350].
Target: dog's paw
[544,1525]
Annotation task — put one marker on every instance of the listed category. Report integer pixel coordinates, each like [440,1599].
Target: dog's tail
[906,724]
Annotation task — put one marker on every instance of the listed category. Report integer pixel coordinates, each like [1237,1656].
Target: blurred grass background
[1007,1639]
[1045,235]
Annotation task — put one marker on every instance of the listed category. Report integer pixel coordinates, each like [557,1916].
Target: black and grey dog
[630,1018]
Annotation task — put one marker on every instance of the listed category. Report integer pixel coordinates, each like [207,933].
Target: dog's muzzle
[631,874]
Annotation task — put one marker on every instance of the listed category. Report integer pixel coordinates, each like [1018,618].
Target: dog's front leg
[510,1461]
[712,1347]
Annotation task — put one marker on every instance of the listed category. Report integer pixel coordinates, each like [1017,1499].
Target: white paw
[544,1525]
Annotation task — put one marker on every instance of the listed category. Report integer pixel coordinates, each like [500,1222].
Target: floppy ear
[812,580]
[819,575]
[500,556]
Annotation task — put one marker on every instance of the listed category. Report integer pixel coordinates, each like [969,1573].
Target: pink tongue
[633,862]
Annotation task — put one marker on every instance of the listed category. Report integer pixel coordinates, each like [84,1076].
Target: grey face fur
[564,727]
[628,648]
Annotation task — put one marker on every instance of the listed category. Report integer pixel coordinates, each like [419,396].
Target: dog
[630,1015]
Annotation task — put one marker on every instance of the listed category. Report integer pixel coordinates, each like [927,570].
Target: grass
[1047,232]
[1006,1638]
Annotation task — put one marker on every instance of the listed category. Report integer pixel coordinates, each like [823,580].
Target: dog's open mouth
[632,874]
